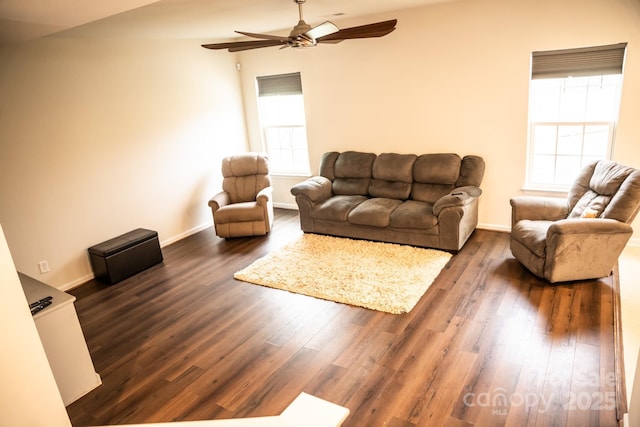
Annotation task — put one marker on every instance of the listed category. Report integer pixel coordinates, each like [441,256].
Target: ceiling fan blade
[377,29]
[238,46]
[263,36]
[322,30]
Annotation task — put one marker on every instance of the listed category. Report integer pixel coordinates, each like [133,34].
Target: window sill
[545,191]
[290,174]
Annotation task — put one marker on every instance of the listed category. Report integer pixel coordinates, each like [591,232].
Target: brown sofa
[429,200]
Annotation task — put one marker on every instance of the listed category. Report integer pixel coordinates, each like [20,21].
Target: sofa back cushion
[352,172]
[392,176]
[434,176]
[471,171]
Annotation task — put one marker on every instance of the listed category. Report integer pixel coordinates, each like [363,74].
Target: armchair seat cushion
[532,235]
[239,212]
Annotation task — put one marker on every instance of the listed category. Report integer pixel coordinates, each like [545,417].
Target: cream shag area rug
[379,276]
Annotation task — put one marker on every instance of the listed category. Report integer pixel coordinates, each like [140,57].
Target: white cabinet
[63,340]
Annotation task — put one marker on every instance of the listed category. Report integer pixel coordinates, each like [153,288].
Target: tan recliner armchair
[244,207]
[583,236]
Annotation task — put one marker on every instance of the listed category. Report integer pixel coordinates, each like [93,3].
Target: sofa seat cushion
[336,208]
[532,235]
[374,212]
[413,214]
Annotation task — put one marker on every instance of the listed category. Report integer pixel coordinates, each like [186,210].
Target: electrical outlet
[44,266]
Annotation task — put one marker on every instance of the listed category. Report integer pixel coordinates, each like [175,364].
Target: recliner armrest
[316,188]
[538,208]
[460,196]
[589,226]
[219,200]
[264,196]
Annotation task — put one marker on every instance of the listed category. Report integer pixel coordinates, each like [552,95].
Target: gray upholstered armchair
[583,236]
[244,207]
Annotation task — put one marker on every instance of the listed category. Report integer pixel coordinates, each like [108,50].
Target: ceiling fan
[303,35]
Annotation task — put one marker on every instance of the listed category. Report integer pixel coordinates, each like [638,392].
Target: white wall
[453,77]
[29,395]
[99,137]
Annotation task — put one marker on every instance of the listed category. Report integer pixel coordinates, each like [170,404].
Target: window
[282,119]
[574,100]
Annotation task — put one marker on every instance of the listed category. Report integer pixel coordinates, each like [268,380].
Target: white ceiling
[22,20]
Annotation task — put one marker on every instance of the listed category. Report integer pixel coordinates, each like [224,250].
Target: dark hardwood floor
[487,345]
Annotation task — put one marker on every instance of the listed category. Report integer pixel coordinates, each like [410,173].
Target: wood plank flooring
[487,345]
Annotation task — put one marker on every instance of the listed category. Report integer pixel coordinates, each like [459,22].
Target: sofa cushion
[353,164]
[389,189]
[392,176]
[374,212]
[351,186]
[435,175]
[336,208]
[437,168]
[328,164]
[413,214]
[352,170]
[471,171]
[430,192]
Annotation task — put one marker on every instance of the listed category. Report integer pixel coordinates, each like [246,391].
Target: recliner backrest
[606,189]
[245,175]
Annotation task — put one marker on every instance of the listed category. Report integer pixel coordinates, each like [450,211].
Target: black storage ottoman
[123,256]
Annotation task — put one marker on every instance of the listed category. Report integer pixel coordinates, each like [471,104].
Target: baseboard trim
[75,283]
[289,206]
[186,234]
[618,348]
[494,227]
[84,279]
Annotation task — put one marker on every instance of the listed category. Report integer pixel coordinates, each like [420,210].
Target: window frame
[282,85]
[531,184]
[596,61]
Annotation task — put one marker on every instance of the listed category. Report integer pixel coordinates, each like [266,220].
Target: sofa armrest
[316,188]
[219,200]
[538,208]
[460,196]
[264,196]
